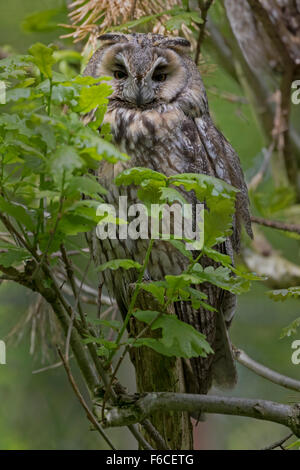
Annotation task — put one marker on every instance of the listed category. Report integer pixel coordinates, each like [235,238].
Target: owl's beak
[139,99]
[139,92]
[144,93]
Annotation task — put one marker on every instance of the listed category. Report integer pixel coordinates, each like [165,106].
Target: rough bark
[157,373]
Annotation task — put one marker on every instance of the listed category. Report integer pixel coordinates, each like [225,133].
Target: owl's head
[146,69]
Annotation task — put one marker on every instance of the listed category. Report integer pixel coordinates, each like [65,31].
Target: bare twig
[16,234]
[83,403]
[276,224]
[265,372]
[64,311]
[99,300]
[76,294]
[226,95]
[91,293]
[139,437]
[279,443]
[50,367]
[57,254]
[4,236]
[153,432]
[204,6]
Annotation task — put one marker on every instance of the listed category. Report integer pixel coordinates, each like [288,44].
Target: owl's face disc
[146,70]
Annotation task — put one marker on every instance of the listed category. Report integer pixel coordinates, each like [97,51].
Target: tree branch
[263,371]
[204,6]
[261,258]
[276,224]
[279,443]
[167,401]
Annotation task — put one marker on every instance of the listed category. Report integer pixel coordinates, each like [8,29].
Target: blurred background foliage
[39,411]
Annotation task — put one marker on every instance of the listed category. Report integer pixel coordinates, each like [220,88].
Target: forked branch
[150,403]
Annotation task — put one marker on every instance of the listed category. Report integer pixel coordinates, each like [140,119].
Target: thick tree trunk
[157,373]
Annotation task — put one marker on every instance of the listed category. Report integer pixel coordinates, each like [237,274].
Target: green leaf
[19,213]
[291,329]
[14,122]
[170,195]
[149,191]
[93,96]
[42,58]
[96,147]
[215,255]
[183,18]
[120,263]
[218,222]
[86,185]
[17,94]
[203,185]
[13,256]
[63,162]
[47,135]
[178,338]
[284,294]
[197,297]
[222,278]
[156,288]
[137,175]
[72,224]
[220,201]
[14,67]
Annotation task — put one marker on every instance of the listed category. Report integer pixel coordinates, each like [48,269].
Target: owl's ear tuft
[180,45]
[112,38]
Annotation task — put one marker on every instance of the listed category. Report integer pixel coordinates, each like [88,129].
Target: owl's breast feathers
[169,140]
[163,138]
[175,138]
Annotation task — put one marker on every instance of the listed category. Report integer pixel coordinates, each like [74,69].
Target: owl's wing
[226,165]
[215,156]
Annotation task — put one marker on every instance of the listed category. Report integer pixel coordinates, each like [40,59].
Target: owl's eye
[119,75]
[159,77]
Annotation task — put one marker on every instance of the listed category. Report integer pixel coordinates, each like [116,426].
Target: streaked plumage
[159,115]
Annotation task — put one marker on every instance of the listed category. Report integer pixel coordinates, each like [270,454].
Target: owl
[159,115]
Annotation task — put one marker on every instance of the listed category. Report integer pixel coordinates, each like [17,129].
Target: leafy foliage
[283,294]
[47,190]
[46,150]
[120,263]
[178,338]
[291,329]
